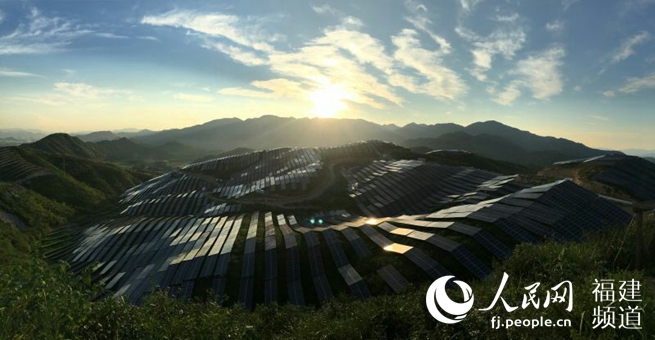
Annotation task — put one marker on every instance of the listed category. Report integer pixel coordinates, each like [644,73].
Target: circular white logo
[437,295]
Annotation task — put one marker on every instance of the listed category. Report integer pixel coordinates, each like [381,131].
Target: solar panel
[393,278]
[323,290]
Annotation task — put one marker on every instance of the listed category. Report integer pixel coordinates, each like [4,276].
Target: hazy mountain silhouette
[117,150]
[61,143]
[489,139]
[111,135]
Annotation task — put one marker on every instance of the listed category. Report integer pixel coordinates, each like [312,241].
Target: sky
[578,69]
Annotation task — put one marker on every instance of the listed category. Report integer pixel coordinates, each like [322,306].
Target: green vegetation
[38,301]
[38,213]
[80,183]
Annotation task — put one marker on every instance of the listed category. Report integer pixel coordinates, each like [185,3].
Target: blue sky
[579,69]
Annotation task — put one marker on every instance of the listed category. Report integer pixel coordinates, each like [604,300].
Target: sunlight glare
[328,101]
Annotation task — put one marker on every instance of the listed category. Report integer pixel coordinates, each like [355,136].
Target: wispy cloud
[556,26]
[86,91]
[5,72]
[420,21]
[65,93]
[639,84]
[41,34]
[602,118]
[268,89]
[245,32]
[541,72]
[341,57]
[568,3]
[148,37]
[609,94]
[627,47]
[324,9]
[469,5]
[507,18]
[111,36]
[505,41]
[196,98]
[509,94]
[439,81]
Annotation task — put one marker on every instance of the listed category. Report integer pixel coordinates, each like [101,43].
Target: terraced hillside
[235,228]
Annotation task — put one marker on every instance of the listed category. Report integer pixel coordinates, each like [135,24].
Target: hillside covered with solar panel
[305,225]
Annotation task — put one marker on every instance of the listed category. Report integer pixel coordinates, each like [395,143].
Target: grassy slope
[45,202]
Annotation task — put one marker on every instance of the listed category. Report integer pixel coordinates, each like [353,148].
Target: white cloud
[568,3]
[603,118]
[507,18]
[541,74]
[148,37]
[2,16]
[556,26]
[89,96]
[268,89]
[323,9]
[504,41]
[509,94]
[469,5]
[239,54]
[577,88]
[609,94]
[5,72]
[246,32]
[41,34]
[86,91]
[111,36]
[627,47]
[420,21]
[341,56]
[440,81]
[196,98]
[639,84]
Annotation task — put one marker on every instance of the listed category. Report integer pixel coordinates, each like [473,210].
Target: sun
[328,101]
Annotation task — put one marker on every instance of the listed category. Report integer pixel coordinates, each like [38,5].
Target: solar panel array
[279,169]
[15,168]
[389,188]
[178,231]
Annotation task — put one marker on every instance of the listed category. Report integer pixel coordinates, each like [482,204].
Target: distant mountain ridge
[489,139]
[116,150]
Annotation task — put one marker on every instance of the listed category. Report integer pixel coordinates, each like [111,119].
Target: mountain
[495,140]
[413,130]
[19,136]
[121,150]
[40,191]
[650,159]
[464,158]
[113,135]
[98,136]
[488,139]
[61,143]
[271,131]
